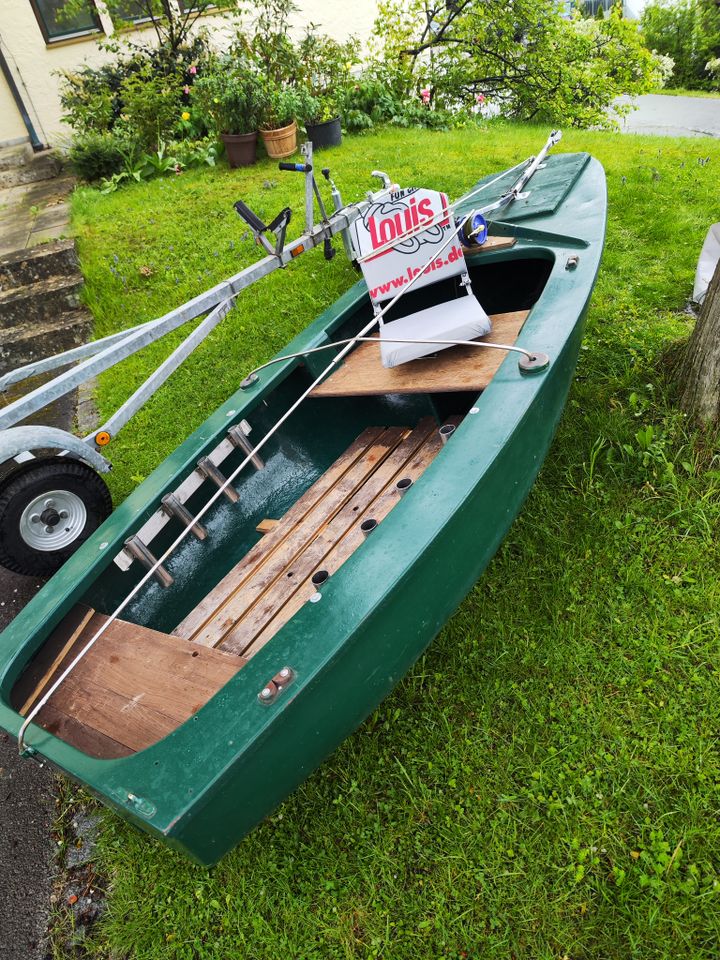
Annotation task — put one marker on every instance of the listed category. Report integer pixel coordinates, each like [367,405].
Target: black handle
[326,172]
[296,167]
[250,218]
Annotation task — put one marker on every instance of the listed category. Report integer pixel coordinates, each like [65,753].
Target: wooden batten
[320,532]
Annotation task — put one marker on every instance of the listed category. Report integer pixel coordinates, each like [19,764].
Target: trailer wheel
[47,510]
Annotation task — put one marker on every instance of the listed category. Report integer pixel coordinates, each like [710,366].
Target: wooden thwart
[451,370]
[492,243]
[133,687]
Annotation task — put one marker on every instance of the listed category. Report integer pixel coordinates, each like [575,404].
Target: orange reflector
[296,251]
[102,439]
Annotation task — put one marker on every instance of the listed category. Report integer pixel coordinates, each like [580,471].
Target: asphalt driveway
[673,116]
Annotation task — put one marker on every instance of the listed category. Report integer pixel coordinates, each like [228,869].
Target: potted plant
[235,99]
[322,122]
[279,127]
[326,73]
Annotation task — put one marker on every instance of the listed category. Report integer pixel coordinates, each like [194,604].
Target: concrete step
[15,156]
[38,263]
[31,341]
[42,302]
[41,166]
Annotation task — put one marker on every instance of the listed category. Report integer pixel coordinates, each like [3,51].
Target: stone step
[42,166]
[17,155]
[31,341]
[42,302]
[38,263]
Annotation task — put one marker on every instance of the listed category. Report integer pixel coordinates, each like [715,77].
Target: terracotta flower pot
[241,148]
[280,143]
[325,134]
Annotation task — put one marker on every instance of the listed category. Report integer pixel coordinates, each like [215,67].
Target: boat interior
[291,518]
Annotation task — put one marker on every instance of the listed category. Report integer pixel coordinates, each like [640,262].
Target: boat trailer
[52,496]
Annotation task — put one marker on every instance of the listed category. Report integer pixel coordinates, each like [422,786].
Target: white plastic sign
[399,258]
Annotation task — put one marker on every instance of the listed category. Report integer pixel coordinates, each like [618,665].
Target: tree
[689,32]
[700,370]
[533,61]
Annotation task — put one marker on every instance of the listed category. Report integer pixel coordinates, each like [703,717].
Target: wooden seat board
[197,617]
[82,736]
[493,242]
[254,607]
[132,687]
[224,605]
[451,370]
[353,539]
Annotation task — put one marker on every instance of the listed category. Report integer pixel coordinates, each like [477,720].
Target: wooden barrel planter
[241,148]
[280,143]
[325,134]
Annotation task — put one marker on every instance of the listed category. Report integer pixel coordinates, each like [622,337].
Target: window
[55,26]
[131,11]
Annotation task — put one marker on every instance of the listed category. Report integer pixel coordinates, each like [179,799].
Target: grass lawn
[545,783]
[682,92]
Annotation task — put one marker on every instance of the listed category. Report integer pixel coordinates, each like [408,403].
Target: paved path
[27,856]
[33,213]
[673,116]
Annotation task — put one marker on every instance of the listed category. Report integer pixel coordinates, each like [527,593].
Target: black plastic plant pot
[327,134]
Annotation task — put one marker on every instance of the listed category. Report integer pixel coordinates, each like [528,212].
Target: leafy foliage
[94,155]
[150,105]
[689,32]
[526,57]
[233,95]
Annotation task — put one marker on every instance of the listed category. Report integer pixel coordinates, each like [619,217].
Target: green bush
[232,97]
[530,60]
[151,106]
[94,156]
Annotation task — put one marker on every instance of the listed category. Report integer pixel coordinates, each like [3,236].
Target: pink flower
[186,89]
[425,94]
[479,98]
[192,70]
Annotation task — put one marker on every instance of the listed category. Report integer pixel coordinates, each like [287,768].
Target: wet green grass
[683,92]
[545,783]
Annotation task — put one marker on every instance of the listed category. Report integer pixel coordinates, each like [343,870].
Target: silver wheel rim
[53,521]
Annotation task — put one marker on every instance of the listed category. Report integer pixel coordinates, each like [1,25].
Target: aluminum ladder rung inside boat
[173,507]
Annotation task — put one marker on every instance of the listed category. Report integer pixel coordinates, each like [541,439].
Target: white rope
[384,339]
[201,513]
[213,499]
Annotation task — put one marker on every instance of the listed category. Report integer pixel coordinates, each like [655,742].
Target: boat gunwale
[47,611]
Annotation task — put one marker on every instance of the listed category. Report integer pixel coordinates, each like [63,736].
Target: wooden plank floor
[137,685]
[451,370]
[274,580]
[133,687]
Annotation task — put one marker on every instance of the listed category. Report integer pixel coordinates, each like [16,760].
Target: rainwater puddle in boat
[197,565]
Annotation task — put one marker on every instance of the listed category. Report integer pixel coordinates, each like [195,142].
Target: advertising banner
[388,222]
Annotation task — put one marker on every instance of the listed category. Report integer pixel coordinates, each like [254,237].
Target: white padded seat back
[459,319]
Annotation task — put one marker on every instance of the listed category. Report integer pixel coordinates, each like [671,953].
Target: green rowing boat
[192,682]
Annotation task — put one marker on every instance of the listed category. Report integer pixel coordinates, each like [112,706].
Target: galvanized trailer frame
[98,356]
[47,521]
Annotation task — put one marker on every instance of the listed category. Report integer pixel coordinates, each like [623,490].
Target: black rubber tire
[29,482]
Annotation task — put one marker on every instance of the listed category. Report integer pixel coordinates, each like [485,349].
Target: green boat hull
[203,787]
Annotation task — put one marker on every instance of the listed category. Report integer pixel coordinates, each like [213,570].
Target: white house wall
[33,63]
